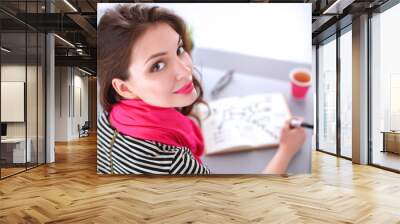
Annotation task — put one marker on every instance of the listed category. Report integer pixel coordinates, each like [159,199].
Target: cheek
[167,84]
[159,87]
[188,60]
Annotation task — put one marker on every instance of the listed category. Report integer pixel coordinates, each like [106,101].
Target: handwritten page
[240,123]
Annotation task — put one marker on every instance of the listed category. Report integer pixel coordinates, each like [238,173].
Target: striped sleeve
[185,163]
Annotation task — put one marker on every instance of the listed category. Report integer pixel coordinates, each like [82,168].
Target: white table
[18,144]
[254,75]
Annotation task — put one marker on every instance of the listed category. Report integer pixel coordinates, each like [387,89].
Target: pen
[222,83]
[297,123]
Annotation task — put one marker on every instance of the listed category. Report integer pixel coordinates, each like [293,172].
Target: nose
[183,69]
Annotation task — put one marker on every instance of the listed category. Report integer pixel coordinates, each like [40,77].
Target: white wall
[15,72]
[80,118]
[33,125]
[66,110]
[61,104]
[276,31]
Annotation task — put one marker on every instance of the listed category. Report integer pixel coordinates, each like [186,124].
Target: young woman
[148,90]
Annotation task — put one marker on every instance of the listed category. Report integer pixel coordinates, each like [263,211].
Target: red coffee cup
[301,82]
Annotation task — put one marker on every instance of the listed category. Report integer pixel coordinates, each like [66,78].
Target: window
[327,96]
[346,92]
[385,89]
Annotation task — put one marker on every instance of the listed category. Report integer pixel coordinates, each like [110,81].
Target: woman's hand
[290,142]
[291,139]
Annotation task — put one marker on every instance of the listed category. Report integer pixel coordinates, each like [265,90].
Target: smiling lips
[185,89]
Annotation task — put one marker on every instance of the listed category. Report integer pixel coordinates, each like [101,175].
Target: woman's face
[160,72]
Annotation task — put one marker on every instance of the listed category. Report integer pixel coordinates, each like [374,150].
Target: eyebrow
[161,53]
[155,55]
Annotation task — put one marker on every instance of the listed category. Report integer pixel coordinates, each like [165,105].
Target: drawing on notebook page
[242,123]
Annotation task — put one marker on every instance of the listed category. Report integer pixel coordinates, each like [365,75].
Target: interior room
[22,98]
[50,108]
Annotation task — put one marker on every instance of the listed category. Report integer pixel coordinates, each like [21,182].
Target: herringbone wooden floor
[70,191]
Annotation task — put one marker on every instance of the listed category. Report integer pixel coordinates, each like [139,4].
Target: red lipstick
[186,89]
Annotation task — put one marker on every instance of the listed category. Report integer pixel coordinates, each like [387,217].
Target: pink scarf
[138,119]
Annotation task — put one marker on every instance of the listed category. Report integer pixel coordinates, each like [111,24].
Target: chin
[187,100]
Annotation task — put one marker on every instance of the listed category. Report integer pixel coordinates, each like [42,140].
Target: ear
[123,89]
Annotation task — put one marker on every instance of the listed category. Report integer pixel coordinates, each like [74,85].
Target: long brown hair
[118,30]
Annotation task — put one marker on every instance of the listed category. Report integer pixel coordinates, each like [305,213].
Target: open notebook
[243,123]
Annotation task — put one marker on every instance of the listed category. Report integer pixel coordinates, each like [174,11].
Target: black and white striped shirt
[130,155]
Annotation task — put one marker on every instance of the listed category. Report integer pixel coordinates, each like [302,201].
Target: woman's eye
[158,66]
[180,50]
